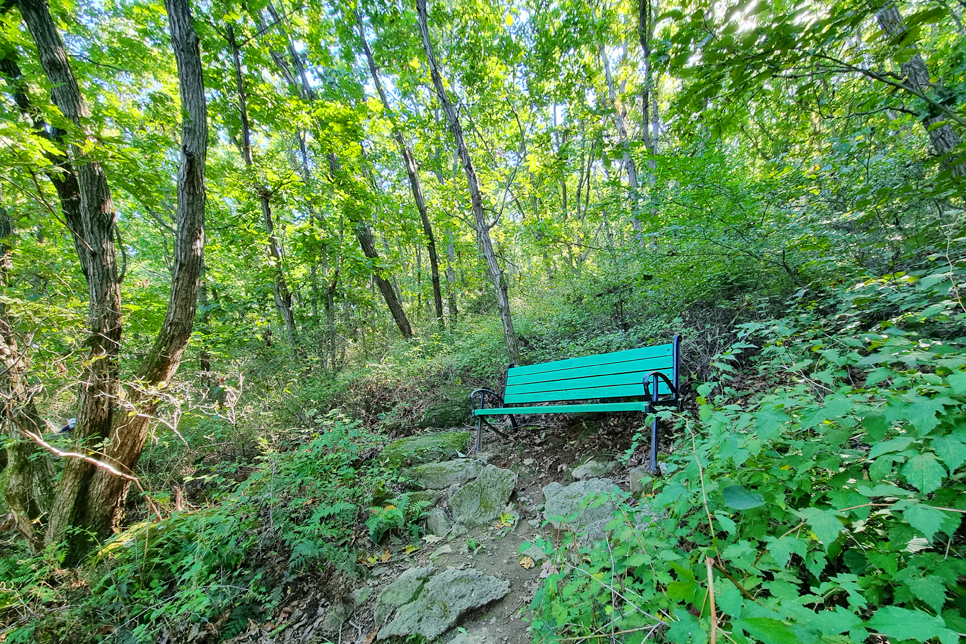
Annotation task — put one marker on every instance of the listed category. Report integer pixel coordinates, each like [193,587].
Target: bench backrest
[610,375]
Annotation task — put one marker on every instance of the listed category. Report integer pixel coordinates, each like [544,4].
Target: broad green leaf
[767,630]
[729,597]
[957,381]
[824,523]
[783,548]
[832,622]
[737,497]
[905,624]
[894,445]
[930,590]
[924,518]
[924,473]
[951,450]
[923,413]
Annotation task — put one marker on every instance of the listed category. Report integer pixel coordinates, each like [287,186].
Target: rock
[428,498]
[438,523]
[593,469]
[444,549]
[640,479]
[401,592]
[443,600]
[528,462]
[360,596]
[449,413]
[565,501]
[439,476]
[483,499]
[482,637]
[425,448]
[535,552]
[335,617]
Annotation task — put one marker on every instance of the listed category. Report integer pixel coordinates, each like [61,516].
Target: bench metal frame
[580,380]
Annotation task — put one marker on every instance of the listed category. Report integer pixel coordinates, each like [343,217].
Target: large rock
[640,479]
[438,523]
[439,476]
[563,502]
[401,592]
[483,499]
[593,469]
[442,601]
[449,413]
[425,448]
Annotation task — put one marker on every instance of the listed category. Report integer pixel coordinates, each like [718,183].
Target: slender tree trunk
[29,473]
[368,244]
[623,139]
[412,173]
[283,297]
[943,137]
[476,197]
[651,118]
[96,231]
[451,279]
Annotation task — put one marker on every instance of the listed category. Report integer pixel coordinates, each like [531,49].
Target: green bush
[821,480]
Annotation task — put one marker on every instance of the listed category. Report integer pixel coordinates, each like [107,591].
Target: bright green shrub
[823,478]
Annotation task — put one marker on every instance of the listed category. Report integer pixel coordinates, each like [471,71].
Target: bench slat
[635,366]
[607,358]
[634,378]
[561,409]
[620,391]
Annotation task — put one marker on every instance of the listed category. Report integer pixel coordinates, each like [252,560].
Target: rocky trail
[490,529]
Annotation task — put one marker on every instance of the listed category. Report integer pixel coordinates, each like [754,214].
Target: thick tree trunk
[283,296]
[412,173]
[623,139]
[943,137]
[29,473]
[476,197]
[96,232]
[107,492]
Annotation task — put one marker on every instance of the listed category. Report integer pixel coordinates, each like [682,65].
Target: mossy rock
[454,412]
[425,448]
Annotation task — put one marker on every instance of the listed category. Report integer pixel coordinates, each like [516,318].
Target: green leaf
[922,414]
[835,622]
[767,630]
[729,597]
[824,523]
[895,445]
[739,498]
[876,426]
[924,518]
[957,381]
[924,472]
[951,450]
[783,548]
[930,590]
[904,624]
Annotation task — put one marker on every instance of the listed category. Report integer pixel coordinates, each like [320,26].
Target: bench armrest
[654,399]
[482,394]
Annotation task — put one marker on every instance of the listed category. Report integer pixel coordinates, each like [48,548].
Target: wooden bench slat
[662,363]
[607,358]
[590,393]
[635,379]
[562,409]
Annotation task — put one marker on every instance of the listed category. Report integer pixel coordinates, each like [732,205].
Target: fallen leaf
[432,538]
[411,549]
[527,562]
[371,637]
[386,555]
[547,569]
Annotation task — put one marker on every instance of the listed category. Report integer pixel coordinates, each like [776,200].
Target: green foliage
[823,478]
[401,513]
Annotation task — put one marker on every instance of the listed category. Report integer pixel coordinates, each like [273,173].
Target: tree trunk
[943,137]
[368,244]
[623,139]
[105,498]
[476,197]
[283,297]
[29,473]
[451,278]
[411,171]
[96,230]
[651,123]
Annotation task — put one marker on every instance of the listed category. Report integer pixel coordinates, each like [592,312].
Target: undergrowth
[817,496]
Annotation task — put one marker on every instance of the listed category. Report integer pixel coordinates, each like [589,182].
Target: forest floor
[540,454]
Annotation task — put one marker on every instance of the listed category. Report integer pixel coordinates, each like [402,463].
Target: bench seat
[632,380]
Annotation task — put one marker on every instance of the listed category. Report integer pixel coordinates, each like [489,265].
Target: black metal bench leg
[513,421]
[479,434]
[654,432]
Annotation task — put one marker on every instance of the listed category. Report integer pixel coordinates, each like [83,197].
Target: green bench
[642,379]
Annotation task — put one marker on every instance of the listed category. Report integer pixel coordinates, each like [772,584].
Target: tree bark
[943,137]
[29,472]
[476,197]
[96,230]
[107,491]
[412,173]
[283,296]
